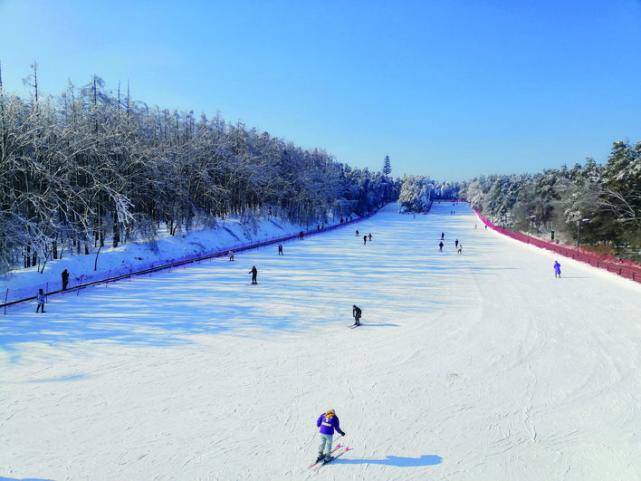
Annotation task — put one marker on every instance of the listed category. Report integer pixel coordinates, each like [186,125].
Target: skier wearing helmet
[327,423]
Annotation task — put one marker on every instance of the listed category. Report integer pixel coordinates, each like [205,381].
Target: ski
[337,447]
[345,450]
[352,326]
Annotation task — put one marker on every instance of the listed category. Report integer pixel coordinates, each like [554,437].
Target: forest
[597,206]
[418,192]
[92,166]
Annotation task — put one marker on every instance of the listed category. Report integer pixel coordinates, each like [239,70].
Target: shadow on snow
[397,461]
[2,478]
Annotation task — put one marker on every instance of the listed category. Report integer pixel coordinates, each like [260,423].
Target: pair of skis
[339,449]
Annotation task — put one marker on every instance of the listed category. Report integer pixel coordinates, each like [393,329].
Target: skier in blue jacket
[327,423]
[557,269]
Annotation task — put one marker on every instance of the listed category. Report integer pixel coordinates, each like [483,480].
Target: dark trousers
[65,283]
[41,307]
[254,281]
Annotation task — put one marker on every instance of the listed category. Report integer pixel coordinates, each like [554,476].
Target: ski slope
[479,366]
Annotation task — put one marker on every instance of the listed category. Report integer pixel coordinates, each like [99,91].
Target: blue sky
[450,89]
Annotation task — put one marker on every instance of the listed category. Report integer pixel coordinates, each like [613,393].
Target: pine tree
[387,166]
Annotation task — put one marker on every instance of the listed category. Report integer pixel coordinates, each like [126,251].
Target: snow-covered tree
[91,165]
[601,203]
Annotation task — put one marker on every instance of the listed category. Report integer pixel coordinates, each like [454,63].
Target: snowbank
[135,256]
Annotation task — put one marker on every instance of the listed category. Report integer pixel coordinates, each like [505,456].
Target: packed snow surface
[472,366]
[226,234]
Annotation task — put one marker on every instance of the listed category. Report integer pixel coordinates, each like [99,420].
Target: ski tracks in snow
[468,367]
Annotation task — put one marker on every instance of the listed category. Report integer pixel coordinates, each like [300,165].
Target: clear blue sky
[450,89]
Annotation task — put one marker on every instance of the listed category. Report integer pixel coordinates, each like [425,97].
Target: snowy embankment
[468,367]
[626,269]
[135,256]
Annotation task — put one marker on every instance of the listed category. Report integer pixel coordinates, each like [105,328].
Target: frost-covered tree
[602,202]
[91,166]
[416,194]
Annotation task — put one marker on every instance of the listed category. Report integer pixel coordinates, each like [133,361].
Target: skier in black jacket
[357,313]
[65,279]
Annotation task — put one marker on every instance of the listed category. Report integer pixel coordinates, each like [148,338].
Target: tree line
[90,166]
[418,192]
[595,205]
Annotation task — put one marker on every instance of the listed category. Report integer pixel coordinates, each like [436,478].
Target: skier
[357,233]
[65,279]
[369,237]
[280,250]
[327,423]
[456,243]
[440,246]
[364,240]
[301,235]
[357,313]
[230,254]
[557,269]
[254,273]
[40,298]
[442,235]
[460,248]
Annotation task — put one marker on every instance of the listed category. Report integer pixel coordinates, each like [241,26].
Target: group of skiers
[457,245]
[328,422]
[254,271]
[366,237]
[41,296]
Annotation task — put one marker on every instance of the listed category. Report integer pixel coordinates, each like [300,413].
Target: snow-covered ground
[226,234]
[478,366]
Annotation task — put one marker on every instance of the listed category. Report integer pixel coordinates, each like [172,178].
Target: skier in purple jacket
[557,269]
[327,423]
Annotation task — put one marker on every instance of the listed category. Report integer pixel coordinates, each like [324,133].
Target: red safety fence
[12,297]
[622,267]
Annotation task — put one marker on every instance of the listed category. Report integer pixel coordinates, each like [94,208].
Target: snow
[479,366]
[226,234]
